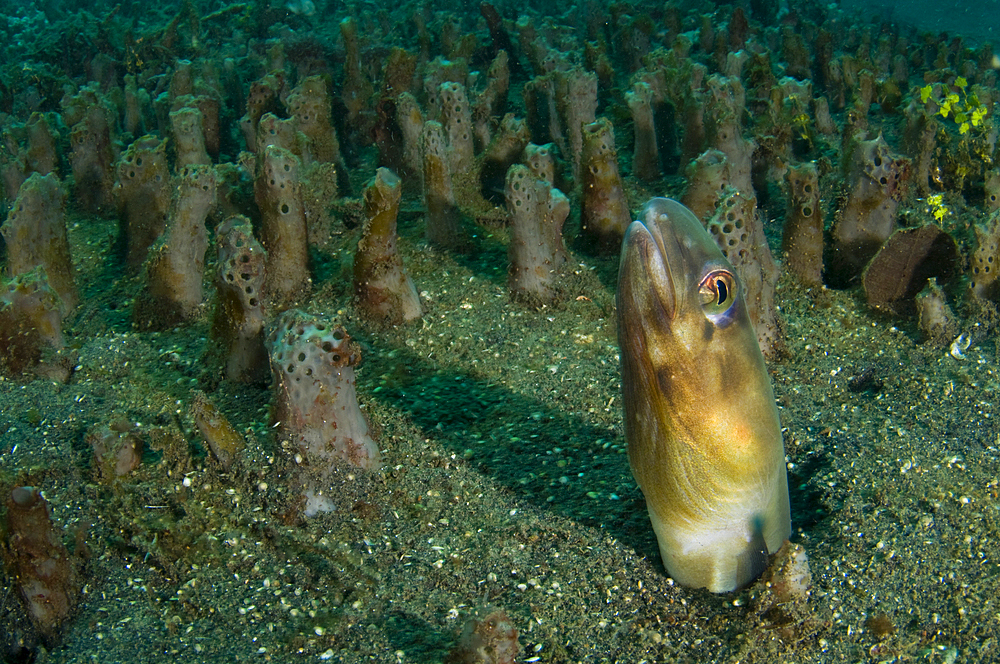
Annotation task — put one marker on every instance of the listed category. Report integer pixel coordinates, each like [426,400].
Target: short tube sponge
[802,236]
[316,404]
[45,572]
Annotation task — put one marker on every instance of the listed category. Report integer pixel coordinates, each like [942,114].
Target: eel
[704,439]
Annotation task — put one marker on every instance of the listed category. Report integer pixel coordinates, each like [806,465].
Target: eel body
[704,440]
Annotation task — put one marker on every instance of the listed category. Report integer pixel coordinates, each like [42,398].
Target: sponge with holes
[315,402]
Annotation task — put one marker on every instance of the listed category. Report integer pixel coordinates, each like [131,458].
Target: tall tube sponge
[443,219]
[604,212]
[175,267]
[239,320]
[142,193]
[537,253]
[645,156]
[382,289]
[283,226]
[92,152]
[35,233]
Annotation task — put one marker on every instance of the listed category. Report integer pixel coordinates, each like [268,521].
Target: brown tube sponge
[645,157]
[725,105]
[877,180]
[45,573]
[604,212]
[225,442]
[491,101]
[316,404]
[35,232]
[264,97]
[575,92]
[443,219]
[91,158]
[143,194]
[239,311]
[739,232]
[984,277]
[117,451]
[310,106]
[42,155]
[188,127]
[410,120]
[537,252]
[30,325]
[383,291]
[283,226]
[175,268]
[937,320]
[802,237]
[272,130]
[540,160]
[991,187]
[708,177]
[457,120]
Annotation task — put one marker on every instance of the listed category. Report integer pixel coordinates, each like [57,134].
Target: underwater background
[159,500]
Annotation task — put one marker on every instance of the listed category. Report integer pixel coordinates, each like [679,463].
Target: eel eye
[717,291]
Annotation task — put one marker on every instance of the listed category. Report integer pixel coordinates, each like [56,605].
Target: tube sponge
[310,105]
[443,219]
[176,263]
[984,277]
[46,574]
[382,289]
[937,320]
[725,105]
[239,312]
[188,128]
[30,325]
[645,157]
[492,100]
[142,192]
[91,158]
[537,253]
[604,212]
[283,226]
[540,159]
[802,237]
[575,92]
[35,232]
[877,182]
[117,451]
[225,442]
[739,232]
[410,120]
[707,177]
[457,116]
[315,401]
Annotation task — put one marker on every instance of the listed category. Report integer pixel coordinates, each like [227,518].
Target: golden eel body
[704,440]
